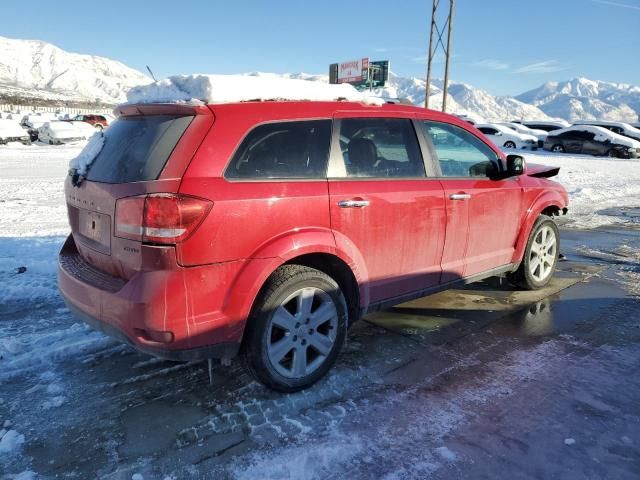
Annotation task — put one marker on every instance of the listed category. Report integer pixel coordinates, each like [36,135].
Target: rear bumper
[220,350]
[185,304]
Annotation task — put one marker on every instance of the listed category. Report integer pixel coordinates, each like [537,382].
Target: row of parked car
[596,137]
[54,129]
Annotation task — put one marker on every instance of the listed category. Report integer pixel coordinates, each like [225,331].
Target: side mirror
[515,165]
[498,134]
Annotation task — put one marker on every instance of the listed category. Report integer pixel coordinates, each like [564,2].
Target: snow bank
[88,154]
[242,88]
[11,128]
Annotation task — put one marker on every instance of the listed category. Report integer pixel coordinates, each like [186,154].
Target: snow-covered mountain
[584,99]
[48,72]
[35,71]
[462,99]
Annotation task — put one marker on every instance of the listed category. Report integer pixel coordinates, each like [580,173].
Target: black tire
[612,153]
[523,277]
[558,149]
[259,332]
[98,127]
[509,144]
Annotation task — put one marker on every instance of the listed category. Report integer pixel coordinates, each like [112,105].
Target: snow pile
[11,128]
[10,441]
[243,88]
[88,154]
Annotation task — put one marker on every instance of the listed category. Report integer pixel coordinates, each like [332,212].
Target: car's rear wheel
[296,329]
[612,154]
[509,144]
[540,256]
[557,149]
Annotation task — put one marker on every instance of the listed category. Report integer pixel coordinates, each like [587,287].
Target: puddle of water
[152,427]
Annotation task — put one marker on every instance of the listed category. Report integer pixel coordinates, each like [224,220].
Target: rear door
[384,209]
[145,151]
[483,215]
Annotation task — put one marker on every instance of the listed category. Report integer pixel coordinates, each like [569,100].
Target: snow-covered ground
[595,184]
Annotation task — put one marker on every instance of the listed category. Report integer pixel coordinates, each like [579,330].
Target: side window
[283,150]
[488,131]
[380,148]
[458,152]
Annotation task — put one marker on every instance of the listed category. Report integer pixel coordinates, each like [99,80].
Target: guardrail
[27,109]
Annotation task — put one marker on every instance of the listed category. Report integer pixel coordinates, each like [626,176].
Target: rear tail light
[159,217]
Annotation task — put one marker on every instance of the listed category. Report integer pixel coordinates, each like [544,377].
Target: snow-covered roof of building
[242,88]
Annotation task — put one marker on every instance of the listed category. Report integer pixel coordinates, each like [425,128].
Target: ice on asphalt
[242,88]
[10,441]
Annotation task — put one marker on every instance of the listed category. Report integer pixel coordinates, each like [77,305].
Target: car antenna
[151,73]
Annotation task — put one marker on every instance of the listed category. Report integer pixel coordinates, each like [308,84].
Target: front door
[384,210]
[483,215]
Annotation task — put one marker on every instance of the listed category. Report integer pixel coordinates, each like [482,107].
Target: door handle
[353,203]
[460,196]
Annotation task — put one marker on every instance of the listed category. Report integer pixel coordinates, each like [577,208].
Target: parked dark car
[591,140]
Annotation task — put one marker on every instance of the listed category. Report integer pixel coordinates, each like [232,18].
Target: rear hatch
[140,166]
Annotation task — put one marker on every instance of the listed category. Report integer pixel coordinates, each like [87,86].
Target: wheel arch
[550,203]
[313,248]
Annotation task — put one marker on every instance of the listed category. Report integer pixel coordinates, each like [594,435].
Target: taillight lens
[159,217]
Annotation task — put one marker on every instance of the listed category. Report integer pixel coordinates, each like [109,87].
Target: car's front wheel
[612,154]
[557,149]
[509,144]
[540,256]
[296,329]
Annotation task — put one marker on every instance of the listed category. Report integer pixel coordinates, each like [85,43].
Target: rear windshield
[137,148]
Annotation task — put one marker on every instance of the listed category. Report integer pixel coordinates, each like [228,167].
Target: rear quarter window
[293,149]
[136,149]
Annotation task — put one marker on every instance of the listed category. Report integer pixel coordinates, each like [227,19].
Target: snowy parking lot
[461,384]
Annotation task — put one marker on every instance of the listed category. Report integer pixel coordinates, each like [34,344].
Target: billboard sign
[353,71]
[360,73]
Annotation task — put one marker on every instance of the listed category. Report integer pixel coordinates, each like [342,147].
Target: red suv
[98,121]
[267,228]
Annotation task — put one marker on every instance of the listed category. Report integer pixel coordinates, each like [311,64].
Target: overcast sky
[504,46]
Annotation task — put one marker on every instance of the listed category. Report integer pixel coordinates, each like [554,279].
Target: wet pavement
[481,382]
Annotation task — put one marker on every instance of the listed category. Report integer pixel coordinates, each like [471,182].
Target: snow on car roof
[11,128]
[602,134]
[242,88]
[60,126]
[508,130]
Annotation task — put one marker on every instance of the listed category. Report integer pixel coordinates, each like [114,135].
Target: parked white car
[59,132]
[12,131]
[518,127]
[621,128]
[506,137]
[546,125]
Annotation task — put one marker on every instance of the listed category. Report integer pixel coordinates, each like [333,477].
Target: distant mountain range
[38,72]
[42,71]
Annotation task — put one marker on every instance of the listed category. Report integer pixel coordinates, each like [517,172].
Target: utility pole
[433,49]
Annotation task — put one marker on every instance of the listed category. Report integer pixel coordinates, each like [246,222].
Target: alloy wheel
[542,256]
[302,332]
